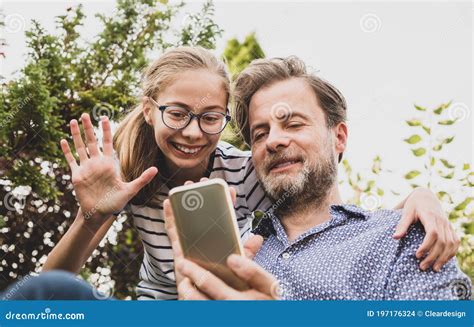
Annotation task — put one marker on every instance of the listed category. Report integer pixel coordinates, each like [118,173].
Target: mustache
[272,159]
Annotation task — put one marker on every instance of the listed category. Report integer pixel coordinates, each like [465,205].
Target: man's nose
[192,131]
[277,139]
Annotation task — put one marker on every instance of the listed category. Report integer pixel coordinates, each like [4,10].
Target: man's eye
[295,125]
[258,136]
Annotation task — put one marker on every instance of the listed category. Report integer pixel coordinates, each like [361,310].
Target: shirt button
[286,255]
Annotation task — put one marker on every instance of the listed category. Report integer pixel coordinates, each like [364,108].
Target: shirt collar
[270,224]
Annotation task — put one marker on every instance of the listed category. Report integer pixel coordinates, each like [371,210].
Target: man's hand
[200,284]
[251,247]
[441,241]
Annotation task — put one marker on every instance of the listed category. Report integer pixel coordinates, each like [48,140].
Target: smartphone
[207,227]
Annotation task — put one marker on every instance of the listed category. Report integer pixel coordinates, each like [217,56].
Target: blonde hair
[134,140]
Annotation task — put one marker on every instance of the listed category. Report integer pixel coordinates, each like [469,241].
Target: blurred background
[405,69]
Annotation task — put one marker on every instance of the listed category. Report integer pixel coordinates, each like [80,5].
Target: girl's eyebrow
[190,108]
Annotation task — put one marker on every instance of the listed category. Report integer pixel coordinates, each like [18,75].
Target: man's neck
[303,219]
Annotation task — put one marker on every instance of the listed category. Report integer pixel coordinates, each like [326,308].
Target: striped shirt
[157,279]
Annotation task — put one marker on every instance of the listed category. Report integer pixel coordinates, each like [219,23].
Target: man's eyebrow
[253,128]
[298,115]
[293,115]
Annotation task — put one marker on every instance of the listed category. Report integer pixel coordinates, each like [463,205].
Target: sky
[384,56]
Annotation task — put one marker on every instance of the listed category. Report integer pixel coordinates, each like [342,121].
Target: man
[315,246]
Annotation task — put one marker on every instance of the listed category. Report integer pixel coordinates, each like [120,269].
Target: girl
[170,138]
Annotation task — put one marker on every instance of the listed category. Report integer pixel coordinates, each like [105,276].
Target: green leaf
[412,174]
[413,122]
[433,161]
[466,166]
[440,109]
[447,122]
[419,152]
[448,140]
[438,147]
[446,163]
[413,139]
[463,204]
[447,176]
[470,228]
[427,130]
[380,192]
[419,108]
[442,195]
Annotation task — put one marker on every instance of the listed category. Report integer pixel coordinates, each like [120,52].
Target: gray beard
[308,189]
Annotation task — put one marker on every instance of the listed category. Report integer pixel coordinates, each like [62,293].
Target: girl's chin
[188,161]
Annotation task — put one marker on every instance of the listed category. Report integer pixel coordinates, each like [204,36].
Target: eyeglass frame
[192,115]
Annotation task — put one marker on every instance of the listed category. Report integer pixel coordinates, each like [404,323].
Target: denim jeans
[52,285]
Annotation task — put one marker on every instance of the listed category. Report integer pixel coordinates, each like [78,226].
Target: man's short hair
[264,72]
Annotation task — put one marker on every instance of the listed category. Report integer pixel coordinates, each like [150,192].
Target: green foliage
[199,28]
[63,77]
[452,181]
[239,55]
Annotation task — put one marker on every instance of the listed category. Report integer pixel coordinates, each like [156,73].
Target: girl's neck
[176,176]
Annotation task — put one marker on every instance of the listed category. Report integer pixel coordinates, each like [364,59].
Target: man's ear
[147,110]
[340,132]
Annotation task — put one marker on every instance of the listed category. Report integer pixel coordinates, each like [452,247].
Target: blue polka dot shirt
[353,256]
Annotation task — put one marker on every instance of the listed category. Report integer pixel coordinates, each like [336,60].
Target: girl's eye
[177,114]
[212,118]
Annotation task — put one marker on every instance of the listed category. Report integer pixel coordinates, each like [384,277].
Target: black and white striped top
[157,279]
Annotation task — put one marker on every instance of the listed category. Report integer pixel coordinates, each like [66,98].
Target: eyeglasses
[176,117]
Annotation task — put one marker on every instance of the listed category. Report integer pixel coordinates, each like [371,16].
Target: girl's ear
[147,111]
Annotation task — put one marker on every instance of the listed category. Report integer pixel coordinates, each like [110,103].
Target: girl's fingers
[90,136]
[68,155]
[137,184]
[107,136]
[78,143]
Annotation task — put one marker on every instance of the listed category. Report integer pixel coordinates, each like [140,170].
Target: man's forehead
[291,90]
[283,99]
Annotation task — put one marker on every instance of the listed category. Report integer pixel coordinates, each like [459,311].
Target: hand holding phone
[207,227]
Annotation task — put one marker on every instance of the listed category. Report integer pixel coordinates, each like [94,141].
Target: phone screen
[205,224]
[207,228]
